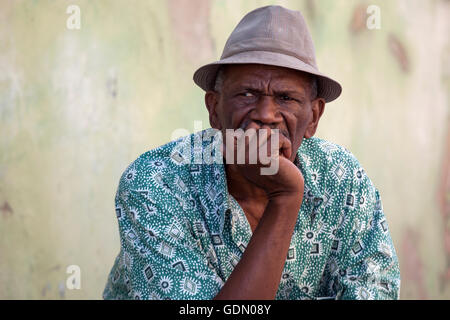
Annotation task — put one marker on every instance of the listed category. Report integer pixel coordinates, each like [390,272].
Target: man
[313,229]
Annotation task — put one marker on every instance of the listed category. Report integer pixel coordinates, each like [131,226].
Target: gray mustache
[245,124]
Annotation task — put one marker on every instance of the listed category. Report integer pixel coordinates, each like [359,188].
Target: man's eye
[247,94]
[286,97]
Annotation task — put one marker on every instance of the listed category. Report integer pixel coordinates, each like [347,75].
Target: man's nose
[266,112]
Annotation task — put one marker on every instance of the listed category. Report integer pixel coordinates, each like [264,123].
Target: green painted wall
[77,106]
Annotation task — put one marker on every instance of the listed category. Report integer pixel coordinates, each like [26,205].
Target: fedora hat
[271,35]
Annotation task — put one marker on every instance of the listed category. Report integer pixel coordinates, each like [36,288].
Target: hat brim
[205,76]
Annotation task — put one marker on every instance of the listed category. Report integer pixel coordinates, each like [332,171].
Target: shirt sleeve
[160,258]
[369,266]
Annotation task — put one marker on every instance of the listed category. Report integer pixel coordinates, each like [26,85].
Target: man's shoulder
[155,167]
[331,169]
[335,174]
[321,154]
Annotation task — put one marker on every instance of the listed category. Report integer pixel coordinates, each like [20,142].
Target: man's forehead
[260,75]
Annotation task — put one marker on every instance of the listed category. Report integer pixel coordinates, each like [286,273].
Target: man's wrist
[284,199]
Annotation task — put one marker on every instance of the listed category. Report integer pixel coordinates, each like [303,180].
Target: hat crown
[274,29]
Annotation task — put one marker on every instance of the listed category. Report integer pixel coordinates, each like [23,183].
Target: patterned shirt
[182,233]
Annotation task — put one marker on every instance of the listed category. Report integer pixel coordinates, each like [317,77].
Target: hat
[271,35]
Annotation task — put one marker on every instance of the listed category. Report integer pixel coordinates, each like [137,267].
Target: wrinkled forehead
[263,76]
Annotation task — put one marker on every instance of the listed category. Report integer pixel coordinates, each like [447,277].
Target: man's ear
[212,101]
[317,107]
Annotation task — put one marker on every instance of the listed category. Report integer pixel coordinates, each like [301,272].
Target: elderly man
[312,229]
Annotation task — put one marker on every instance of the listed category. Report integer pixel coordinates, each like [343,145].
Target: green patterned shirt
[182,233]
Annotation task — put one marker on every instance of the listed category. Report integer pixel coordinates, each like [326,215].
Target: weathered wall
[77,106]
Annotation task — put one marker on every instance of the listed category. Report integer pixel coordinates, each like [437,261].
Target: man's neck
[242,189]
[252,199]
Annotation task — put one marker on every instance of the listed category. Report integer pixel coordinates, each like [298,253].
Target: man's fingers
[258,146]
[285,147]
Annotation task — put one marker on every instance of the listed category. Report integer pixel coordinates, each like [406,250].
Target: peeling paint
[443,196]
[55,268]
[190,25]
[45,289]
[412,271]
[399,52]
[6,209]
[62,290]
[358,21]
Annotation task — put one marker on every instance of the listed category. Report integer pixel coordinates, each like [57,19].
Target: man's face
[258,96]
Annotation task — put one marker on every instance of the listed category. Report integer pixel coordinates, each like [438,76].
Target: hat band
[266,44]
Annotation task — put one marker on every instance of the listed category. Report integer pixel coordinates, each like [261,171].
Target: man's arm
[258,273]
